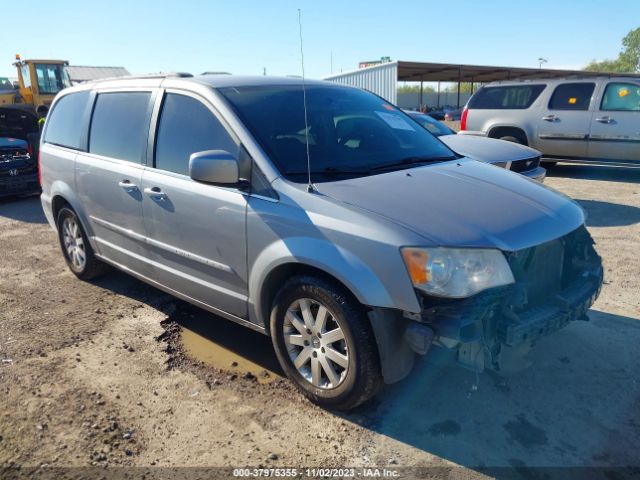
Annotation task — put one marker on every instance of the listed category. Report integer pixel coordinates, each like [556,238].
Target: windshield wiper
[410,162]
[333,171]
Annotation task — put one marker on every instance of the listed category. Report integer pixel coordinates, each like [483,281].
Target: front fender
[336,261]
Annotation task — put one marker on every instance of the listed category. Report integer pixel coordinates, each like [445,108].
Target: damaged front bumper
[556,283]
[485,333]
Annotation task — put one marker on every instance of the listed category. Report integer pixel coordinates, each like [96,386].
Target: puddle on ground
[223,344]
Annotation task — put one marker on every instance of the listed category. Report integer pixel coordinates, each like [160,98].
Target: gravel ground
[95,374]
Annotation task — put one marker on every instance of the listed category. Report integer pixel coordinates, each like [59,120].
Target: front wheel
[324,343]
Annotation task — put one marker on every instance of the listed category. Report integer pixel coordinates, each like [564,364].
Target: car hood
[463,203]
[8,143]
[488,150]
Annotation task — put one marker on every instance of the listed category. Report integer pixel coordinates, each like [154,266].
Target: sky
[246,37]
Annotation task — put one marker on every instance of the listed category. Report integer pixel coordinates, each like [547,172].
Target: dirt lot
[96,374]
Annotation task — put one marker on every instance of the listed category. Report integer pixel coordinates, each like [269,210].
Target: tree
[414,89]
[630,56]
[465,87]
[628,60]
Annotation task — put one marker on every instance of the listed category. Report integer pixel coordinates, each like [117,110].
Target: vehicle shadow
[220,335]
[625,174]
[577,405]
[25,209]
[606,214]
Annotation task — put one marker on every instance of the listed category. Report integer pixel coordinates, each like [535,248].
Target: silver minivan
[577,119]
[318,214]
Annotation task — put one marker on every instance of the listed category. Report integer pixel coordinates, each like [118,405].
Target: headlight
[456,272]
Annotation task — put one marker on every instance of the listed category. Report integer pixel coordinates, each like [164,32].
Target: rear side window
[572,96]
[64,122]
[621,97]
[120,125]
[188,126]
[517,97]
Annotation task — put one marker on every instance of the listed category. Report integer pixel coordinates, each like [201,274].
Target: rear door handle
[604,119]
[127,185]
[155,193]
[549,118]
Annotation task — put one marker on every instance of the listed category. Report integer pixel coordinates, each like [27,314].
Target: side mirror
[218,167]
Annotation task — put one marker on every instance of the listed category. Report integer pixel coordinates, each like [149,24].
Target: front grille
[525,165]
[18,170]
[544,270]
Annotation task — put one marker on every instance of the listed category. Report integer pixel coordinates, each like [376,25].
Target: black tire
[362,378]
[514,139]
[91,267]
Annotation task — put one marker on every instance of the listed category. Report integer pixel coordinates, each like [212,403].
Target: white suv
[569,119]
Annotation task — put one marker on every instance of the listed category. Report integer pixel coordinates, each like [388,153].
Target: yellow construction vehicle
[38,83]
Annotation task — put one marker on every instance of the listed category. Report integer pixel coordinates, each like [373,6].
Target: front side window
[26,75]
[350,132]
[572,96]
[187,126]
[65,122]
[51,78]
[120,125]
[518,97]
[620,96]
[5,84]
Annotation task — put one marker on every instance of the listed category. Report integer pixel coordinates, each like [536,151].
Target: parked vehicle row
[322,216]
[509,155]
[453,115]
[595,119]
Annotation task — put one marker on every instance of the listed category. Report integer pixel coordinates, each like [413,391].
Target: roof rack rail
[162,75]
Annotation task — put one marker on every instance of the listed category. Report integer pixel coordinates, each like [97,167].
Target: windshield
[350,131]
[51,78]
[5,84]
[432,125]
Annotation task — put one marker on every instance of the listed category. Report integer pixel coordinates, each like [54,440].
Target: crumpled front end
[555,283]
[18,169]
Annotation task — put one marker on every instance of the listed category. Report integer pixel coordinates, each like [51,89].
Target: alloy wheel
[316,343]
[74,243]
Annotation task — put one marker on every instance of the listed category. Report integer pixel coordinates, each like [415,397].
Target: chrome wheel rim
[73,243]
[316,343]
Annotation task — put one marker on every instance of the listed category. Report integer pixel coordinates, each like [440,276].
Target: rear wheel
[324,342]
[76,248]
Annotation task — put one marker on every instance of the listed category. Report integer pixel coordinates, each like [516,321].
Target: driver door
[196,231]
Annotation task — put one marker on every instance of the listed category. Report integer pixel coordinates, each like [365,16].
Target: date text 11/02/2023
[316,472]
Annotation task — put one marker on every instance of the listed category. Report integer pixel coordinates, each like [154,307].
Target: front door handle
[156,193]
[127,185]
[604,119]
[549,118]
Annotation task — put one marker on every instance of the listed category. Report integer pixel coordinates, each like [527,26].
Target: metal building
[380,79]
[79,74]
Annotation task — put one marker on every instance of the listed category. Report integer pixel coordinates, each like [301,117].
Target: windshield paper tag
[395,121]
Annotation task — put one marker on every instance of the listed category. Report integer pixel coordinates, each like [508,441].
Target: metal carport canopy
[450,72]
[383,78]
